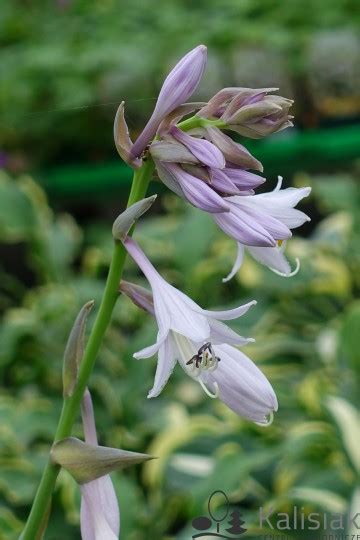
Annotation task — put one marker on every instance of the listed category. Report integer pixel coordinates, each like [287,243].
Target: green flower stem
[71,404]
[196,122]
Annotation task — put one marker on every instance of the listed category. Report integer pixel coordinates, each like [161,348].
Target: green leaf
[16,213]
[328,500]
[348,422]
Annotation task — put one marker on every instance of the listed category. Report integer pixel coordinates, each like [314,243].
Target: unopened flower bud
[172,151]
[177,88]
[256,114]
[141,297]
[86,462]
[74,350]
[126,220]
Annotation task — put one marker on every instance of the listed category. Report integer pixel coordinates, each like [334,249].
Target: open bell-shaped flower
[221,369]
[263,219]
[261,224]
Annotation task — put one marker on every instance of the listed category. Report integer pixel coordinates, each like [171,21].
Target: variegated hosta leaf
[348,421]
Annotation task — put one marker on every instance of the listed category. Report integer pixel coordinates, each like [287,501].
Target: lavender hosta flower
[221,369]
[192,188]
[258,222]
[195,169]
[178,86]
[99,516]
[261,220]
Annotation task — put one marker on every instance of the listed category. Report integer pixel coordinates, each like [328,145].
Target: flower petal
[165,366]
[151,350]
[242,178]
[197,192]
[206,152]
[229,314]
[242,386]
[169,179]
[244,228]
[273,257]
[221,182]
[99,516]
[280,204]
[186,320]
[234,152]
[253,214]
[220,333]
[238,262]
[173,151]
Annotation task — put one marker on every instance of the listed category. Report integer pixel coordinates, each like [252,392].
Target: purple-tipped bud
[252,112]
[140,296]
[178,86]
[256,114]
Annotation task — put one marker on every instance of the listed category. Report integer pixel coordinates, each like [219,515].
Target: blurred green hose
[282,154]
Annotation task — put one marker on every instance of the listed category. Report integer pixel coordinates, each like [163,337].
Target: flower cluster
[197,160]
[205,166]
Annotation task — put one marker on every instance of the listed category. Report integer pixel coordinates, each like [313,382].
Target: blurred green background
[65,66]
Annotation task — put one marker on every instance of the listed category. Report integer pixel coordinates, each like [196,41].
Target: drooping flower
[178,86]
[204,172]
[100,515]
[201,343]
[259,222]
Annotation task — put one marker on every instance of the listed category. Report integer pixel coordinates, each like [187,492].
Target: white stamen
[208,392]
[268,422]
[279,183]
[291,274]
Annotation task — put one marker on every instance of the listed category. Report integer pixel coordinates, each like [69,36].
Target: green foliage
[60,56]
[306,331]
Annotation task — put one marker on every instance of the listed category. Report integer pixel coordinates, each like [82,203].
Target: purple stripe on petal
[206,152]
[221,182]
[197,192]
[244,228]
[242,178]
[277,229]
